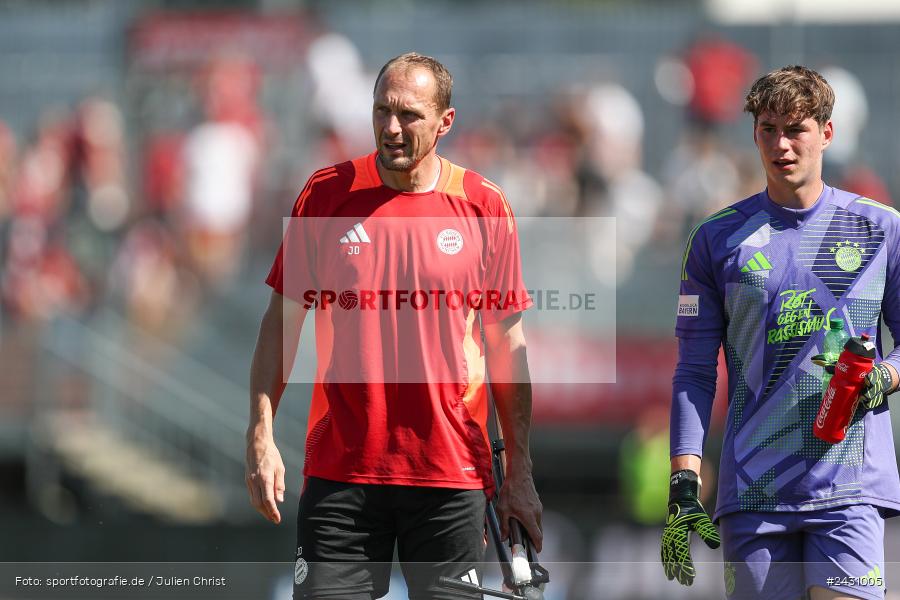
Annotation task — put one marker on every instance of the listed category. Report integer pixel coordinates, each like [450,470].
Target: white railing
[171,404]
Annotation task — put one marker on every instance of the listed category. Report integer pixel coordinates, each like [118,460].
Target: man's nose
[392,125]
[782,141]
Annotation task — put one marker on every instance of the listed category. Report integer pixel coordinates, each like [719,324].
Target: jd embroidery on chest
[354,237]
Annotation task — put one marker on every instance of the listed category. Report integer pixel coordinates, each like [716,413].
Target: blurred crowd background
[149,150]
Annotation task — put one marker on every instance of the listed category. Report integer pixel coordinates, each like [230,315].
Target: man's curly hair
[795,91]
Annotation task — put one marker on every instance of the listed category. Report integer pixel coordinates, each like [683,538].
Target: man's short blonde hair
[442,77]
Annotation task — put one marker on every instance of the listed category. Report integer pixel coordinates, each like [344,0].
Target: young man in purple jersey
[799,518]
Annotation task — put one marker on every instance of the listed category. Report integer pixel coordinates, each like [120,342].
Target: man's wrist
[259,432]
[691,462]
[684,484]
[895,378]
[520,468]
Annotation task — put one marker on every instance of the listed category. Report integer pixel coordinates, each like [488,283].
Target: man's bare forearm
[513,402]
[276,346]
[507,364]
[511,386]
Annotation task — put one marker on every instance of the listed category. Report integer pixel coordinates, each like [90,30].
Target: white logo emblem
[471,577]
[450,241]
[301,570]
[357,235]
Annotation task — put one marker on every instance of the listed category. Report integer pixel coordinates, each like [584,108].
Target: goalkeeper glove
[879,384]
[686,514]
[828,365]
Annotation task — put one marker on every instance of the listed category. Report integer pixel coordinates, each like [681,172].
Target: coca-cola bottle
[842,396]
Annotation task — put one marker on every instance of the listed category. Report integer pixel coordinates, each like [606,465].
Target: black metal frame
[518,541]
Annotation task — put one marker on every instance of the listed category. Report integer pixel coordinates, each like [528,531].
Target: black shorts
[346,534]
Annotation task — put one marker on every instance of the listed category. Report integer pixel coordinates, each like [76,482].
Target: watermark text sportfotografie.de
[550,300]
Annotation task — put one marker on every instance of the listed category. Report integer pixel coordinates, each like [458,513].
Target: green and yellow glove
[879,384]
[822,361]
[686,514]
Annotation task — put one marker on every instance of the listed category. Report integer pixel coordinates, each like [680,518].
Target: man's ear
[828,134]
[446,121]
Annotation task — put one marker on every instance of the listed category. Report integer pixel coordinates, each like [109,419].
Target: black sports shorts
[346,534]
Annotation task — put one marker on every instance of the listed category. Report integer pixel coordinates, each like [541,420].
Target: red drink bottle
[842,396]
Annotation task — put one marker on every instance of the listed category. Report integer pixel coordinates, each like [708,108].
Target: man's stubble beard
[403,164]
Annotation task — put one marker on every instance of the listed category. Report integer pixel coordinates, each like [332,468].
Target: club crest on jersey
[450,241]
[847,255]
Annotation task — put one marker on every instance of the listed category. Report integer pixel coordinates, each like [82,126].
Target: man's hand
[519,500]
[822,361]
[265,477]
[686,514]
[879,383]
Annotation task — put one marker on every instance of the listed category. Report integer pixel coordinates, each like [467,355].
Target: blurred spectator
[842,166]
[720,71]
[40,279]
[700,177]
[613,128]
[42,183]
[159,294]
[40,276]
[100,200]
[7,169]
[99,156]
[534,167]
[163,173]
[610,177]
[342,100]
[700,174]
[221,158]
[849,115]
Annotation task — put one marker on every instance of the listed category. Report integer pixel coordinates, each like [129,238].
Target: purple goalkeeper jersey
[763,280]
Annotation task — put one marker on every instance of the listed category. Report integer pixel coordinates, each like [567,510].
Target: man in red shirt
[411,266]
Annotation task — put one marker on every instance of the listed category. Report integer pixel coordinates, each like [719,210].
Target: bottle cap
[835,323]
[861,346]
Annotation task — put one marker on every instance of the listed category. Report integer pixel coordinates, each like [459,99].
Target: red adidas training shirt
[397,282]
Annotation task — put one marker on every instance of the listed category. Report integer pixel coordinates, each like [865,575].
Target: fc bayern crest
[301,570]
[450,241]
[847,255]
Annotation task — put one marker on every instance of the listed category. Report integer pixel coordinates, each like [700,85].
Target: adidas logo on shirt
[357,235]
[757,263]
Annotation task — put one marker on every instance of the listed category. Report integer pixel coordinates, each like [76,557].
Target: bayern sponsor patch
[688,306]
